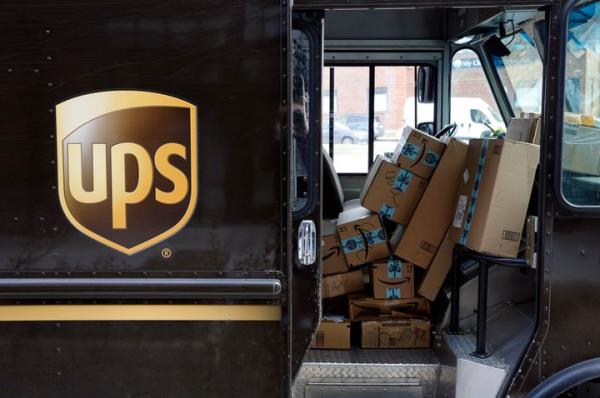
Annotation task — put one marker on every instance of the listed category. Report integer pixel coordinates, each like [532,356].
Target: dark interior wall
[425,24]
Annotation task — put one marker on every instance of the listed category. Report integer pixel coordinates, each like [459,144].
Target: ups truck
[166,166]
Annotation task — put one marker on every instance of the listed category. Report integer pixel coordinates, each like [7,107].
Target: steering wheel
[447,130]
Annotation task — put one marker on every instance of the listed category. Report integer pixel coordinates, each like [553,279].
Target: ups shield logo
[127,166]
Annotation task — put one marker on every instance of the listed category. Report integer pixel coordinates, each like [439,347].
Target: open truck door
[563,352]
[147,233]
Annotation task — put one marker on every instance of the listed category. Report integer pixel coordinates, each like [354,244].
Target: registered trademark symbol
[166,252]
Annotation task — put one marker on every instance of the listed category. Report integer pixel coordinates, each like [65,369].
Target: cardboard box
[537,132]
[493,196]
[418,152]
[362,235]
[392,279]
[429,223]
[333,333]
[523,129]
[334,261]
[438,270]
[340,284]
[391,191]
[362,307]
[406,333]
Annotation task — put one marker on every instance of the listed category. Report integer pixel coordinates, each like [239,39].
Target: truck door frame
[563,337]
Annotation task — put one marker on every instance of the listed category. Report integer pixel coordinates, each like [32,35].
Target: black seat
[333,196]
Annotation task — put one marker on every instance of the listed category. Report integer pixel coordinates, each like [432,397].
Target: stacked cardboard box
[413,209]
[333,333]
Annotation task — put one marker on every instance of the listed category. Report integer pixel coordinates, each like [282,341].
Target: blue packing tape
[474,193]
[394,268]
[431,159]
[411,151]
[402,180]
[392,292]
[386,211]
[359,242]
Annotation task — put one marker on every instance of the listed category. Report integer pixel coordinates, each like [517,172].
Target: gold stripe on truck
[139,312]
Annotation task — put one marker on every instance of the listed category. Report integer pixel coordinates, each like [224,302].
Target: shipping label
[460,211]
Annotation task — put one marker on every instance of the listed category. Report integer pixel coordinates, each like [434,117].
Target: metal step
[360,372]
[508,330]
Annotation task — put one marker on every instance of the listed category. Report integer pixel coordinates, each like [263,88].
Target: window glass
[581,128]
[300,118]
[394,105]
[521,73]
[351,125]
[472,105]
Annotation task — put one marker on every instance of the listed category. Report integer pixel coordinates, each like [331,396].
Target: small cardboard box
[334,261]
[398,333]
[392,279]
[362,307]
[523,129]
[418,152]
[429,223]
[362,236]
[340,284]
[438,270]
[333,333]
[493,196]
[391,191]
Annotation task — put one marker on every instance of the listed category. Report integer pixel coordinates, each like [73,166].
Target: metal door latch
[307,242]
[530,240]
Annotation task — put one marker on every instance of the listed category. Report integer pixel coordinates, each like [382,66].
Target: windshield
[521,73]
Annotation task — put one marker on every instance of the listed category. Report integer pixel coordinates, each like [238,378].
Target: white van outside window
[472,105]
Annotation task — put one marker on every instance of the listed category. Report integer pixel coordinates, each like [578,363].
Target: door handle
[307,242]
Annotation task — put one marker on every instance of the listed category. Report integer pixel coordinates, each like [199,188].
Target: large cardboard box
[436,273]
[362,236]
[334,261]
[493,196]
[418,152]
[340,284]
[391,191]
[404,333]
[429,223]
[362,307]
[333,333]
[392,279]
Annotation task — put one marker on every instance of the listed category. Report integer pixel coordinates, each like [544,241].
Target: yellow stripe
[139,312]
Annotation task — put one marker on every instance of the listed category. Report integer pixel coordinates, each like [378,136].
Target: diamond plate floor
[409,366]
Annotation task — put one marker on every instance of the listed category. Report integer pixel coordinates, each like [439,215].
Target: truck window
[300,120]
[472,105]
[395,106]
[581,120]
[350,117]
[393,93]
[521,73]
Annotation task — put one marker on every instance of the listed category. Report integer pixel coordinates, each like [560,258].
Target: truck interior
[467,71]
